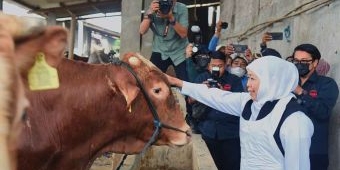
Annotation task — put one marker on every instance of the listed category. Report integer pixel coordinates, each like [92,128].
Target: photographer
[265,51]
[168,21]
[197,60]
[220,131]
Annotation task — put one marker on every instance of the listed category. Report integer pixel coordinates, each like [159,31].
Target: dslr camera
[165,6]
[215,74]
[197,38]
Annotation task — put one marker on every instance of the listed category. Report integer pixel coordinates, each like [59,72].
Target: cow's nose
[188,132]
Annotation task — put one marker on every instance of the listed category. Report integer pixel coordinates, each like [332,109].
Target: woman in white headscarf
[274,131]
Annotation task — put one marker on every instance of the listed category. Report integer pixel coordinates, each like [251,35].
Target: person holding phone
[275,132]
[266,38]
[243,49]
[213,43]
[168,20]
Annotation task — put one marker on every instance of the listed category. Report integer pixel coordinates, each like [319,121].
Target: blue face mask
[303,69]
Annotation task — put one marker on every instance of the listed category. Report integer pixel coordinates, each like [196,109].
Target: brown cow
[12,99]
[97,108]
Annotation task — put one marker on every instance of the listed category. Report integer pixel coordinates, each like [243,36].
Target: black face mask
[303,69]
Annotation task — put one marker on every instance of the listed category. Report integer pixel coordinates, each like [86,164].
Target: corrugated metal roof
[66,8]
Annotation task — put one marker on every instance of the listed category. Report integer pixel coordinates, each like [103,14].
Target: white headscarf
[278,78]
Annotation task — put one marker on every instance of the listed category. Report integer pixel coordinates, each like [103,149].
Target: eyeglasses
[295,61]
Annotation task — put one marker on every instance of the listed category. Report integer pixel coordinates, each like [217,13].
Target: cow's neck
[82,110]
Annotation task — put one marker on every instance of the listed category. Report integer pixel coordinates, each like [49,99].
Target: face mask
[238,71]
[303,69]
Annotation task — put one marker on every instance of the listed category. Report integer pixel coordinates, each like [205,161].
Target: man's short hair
[217,55]
[310,49]
[270,52]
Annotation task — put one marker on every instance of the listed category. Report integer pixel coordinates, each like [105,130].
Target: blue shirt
[172,45]
[319,99]
[218,125]
[213,43]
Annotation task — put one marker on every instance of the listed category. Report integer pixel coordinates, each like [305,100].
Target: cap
[219,47]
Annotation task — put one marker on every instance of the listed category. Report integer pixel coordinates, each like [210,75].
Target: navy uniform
[318,98]
[220,131]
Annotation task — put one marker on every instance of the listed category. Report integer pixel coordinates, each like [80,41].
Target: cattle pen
[194,156]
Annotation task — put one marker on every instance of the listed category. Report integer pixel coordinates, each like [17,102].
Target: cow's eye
[157,90]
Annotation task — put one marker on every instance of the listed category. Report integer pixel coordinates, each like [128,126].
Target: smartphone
[276,35]
[240,48]
[224,25]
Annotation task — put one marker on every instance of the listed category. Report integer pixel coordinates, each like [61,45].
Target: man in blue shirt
[318,95]
[220,131]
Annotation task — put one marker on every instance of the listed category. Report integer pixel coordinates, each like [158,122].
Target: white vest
[259,150]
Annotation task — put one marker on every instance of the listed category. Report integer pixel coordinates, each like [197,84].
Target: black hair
[270,51]
[217,55]
[310,49]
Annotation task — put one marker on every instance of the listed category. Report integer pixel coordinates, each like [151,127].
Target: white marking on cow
[134,61]
[144,60]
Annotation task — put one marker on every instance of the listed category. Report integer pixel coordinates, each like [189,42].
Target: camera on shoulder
[165,6]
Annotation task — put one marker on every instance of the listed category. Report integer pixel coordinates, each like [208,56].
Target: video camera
[165,6]
[215,74]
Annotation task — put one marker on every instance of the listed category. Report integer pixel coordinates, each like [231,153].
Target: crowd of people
[253,110]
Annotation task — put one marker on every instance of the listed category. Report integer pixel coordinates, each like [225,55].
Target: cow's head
[162,98]
[52,41]
[13,100]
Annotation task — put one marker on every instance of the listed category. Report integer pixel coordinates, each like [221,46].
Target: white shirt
[295,132]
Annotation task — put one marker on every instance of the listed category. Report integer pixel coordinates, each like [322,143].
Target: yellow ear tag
[42,76]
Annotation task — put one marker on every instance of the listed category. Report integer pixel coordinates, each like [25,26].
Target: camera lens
[195,49]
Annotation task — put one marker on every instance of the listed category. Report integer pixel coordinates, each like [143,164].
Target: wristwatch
[147,16]
[173,22]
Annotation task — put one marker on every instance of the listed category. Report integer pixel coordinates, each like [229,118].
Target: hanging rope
[195,11]
[261,26]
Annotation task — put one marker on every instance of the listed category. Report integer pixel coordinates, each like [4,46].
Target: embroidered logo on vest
[313,94]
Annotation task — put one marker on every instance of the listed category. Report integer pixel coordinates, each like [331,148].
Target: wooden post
[131,15]
[72,36]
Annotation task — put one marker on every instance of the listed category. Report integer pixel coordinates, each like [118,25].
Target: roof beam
[77,6]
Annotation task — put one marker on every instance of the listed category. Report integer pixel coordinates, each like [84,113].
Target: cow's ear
[128,89]
[55,43]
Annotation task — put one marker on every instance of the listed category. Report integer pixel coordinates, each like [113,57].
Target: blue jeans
[180,70]
[225,153]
